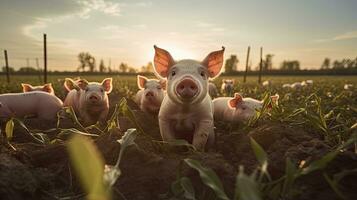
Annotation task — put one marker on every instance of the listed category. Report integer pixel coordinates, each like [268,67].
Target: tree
[102,67]
[268,62]
[326,63]
[131,70]
[27,70]
[231,64]
[11,69]
[148,68]
[123,67]
[337,65]
[293,65]
[86,60]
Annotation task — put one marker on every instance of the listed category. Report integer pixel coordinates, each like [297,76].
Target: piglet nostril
[93,98]
[149,94]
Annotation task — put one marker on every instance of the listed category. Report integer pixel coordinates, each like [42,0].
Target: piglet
[186,111]
[238,109]
[89,99]
[227,87]
[266,83]
[39,104]
[45,88]
[286,85]
[150,95]
[307,83]
[212,90]
[296,85]
[348,86]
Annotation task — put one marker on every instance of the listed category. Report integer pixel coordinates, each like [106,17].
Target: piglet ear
[163,84]
[70,84]
[214,62]
[48,88]
[82,83]
[141,81]
[162,61]
[107,85]
[26,87]
[274,100]
[235,100]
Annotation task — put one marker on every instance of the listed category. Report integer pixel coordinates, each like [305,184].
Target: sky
[126,30]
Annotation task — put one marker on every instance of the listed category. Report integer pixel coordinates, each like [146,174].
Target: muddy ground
[35,171]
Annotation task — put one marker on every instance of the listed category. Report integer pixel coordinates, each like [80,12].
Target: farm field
[304,148]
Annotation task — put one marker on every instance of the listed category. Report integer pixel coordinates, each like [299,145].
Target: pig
[307,83]
[266,83]
[296,85]
[212,90]
[348,86]
[186,111]
[237,108]
[227,87]
[89,100]
[286,85]
[45,88]
[150,95]
[37,103]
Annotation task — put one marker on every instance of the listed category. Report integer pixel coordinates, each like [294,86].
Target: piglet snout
[94,98]
[187,88]
[149,94]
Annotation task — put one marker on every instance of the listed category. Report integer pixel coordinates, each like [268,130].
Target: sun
[177,51]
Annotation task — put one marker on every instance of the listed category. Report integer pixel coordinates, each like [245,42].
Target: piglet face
[187,80]
[228,84]
[245,108]
[153,89]
[5,111]
[96,93]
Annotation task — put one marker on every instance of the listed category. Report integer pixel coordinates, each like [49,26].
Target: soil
[35,171]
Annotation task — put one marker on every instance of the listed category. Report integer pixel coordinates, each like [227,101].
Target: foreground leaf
[246,187]
[209,177]
[9,129]
[88,164]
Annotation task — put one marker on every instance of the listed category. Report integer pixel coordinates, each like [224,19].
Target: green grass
[325,110]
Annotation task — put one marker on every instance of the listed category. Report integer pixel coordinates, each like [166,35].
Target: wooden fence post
[45,58]
[246,65]
[260,65]
[7,67]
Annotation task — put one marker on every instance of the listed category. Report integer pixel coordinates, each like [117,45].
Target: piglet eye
[173,73]
[159,87]
[86,89]
[202,73]
[101,90]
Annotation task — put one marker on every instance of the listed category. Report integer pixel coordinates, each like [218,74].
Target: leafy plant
[209,178]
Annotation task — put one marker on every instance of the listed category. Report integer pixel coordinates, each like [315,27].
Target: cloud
[137,4]
[106,7]
[210,27]
[345,36]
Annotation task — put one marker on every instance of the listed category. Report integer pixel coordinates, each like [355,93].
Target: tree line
[231,64]
[87,63]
